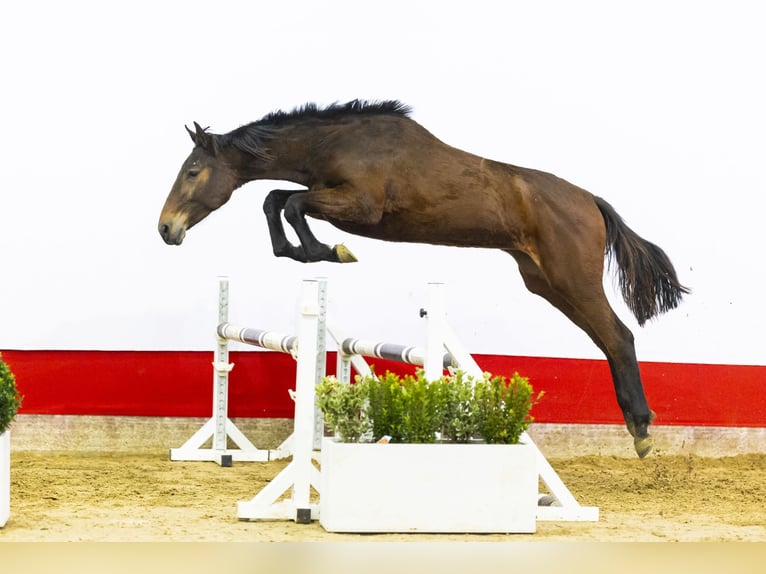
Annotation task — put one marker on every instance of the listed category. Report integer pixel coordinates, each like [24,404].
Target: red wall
[171,383]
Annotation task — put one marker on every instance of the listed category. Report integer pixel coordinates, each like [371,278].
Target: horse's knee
[276,199]
[268,206]
[625,337]
[292,211]
[272,205]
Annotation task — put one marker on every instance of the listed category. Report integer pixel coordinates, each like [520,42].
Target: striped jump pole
[435,358]
[401,353]
[258,338]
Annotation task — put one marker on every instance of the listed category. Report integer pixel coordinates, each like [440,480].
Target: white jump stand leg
[219,428]
[300,473]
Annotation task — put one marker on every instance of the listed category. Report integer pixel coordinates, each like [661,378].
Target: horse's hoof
[643,446]
[344,255]
[545,500]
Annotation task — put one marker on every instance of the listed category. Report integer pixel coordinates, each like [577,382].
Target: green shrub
[411,409]
[503,408]
[421,406]
[10,400]
[460,416]
[386,408]
[344,408]
[405,408]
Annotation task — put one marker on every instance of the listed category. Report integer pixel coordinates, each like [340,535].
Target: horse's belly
[456,228]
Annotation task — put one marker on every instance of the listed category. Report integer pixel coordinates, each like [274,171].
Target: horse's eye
[192,173]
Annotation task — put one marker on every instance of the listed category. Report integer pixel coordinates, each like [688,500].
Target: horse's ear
[200,137]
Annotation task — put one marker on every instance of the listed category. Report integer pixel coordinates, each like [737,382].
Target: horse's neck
[249,168]
[291,152]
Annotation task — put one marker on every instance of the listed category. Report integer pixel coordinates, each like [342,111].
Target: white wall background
[656,106]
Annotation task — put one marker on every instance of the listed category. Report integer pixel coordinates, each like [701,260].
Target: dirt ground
[145,497]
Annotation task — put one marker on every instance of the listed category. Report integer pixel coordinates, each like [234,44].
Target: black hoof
[545,500]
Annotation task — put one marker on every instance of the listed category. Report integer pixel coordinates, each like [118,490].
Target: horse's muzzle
[171,236]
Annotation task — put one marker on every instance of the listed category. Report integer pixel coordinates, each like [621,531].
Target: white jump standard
[219,427]
[300,473]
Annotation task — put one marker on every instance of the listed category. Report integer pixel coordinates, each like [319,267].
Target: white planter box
[436,488]
[5,477]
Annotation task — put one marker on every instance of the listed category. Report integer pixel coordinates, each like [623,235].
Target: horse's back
[431,192]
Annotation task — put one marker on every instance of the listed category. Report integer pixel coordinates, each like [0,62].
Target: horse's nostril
[170,234]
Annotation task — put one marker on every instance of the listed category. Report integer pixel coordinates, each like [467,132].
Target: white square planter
[436,488]
[5,477]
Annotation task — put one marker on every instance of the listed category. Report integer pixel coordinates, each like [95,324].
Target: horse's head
[204,184]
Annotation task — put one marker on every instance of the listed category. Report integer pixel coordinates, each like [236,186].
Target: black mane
[336,110]
[251,138]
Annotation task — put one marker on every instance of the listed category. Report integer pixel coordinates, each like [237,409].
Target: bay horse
[371,170]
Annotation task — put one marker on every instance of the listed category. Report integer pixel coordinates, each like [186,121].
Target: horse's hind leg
[582,300]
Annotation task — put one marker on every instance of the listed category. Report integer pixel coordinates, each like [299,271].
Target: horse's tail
[646,276]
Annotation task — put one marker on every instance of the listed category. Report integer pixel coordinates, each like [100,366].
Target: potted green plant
[10,400]
[428,456]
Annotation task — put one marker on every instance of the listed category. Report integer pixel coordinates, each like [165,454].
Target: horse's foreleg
[311,247]
[342,203]
[273,206]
